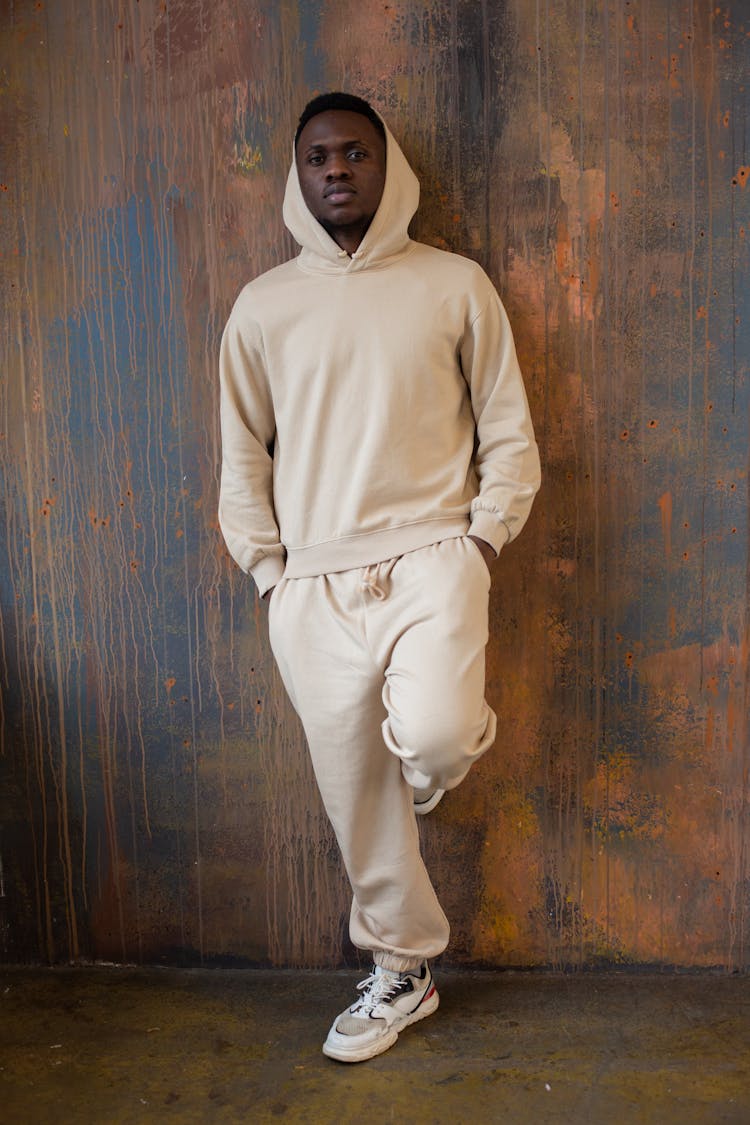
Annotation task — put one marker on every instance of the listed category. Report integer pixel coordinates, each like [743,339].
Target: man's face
[341,168]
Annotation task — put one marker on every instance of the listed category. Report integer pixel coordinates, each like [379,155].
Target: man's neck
[349,240]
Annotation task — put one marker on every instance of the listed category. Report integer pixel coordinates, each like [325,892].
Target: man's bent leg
[317,635]
[438,721]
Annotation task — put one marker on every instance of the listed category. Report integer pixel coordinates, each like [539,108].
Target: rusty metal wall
[156,799]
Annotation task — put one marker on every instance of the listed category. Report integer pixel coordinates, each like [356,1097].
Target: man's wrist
[486,549]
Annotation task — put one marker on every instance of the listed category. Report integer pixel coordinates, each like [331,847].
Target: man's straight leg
[319,631]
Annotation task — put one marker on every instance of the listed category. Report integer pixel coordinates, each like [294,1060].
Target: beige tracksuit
[373,415]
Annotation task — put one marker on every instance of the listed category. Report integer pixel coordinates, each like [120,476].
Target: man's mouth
[338,191]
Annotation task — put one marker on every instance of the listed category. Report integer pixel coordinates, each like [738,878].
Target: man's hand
[487,552]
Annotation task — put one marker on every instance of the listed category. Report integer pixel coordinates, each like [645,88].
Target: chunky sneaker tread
[389,1002]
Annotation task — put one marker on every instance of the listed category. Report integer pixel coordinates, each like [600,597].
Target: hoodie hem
[267,572]
[356,551]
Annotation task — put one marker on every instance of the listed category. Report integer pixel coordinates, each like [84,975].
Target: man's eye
[315,159]
[357,154]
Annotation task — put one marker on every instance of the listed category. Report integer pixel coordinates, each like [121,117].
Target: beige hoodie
[370,405]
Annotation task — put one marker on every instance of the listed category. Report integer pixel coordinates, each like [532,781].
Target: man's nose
[337,168]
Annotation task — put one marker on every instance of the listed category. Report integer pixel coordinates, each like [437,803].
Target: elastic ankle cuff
[395,963]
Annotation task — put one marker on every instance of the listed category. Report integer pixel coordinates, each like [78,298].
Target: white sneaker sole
[378,1046]
[421,808]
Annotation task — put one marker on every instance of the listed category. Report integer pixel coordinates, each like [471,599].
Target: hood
[387,234]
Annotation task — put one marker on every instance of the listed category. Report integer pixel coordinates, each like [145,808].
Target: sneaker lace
[376,988]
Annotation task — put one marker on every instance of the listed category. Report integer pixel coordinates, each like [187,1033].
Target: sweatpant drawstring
[369,584]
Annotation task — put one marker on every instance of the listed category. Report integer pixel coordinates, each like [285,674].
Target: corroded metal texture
[157,802]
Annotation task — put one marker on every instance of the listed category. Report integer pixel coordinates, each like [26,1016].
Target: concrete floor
[105,1045]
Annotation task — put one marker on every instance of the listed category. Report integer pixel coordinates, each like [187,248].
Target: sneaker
[389,1002]
[425,800]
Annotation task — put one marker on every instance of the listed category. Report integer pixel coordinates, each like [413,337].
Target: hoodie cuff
[267,572]
[487,526]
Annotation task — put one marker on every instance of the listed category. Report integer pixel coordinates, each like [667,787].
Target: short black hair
[336,99]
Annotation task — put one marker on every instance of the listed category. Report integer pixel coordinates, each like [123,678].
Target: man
[377,455]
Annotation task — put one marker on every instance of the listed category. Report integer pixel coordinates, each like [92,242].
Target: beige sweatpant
[385,667]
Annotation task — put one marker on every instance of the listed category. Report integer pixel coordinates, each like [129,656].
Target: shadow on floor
[111,1045]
